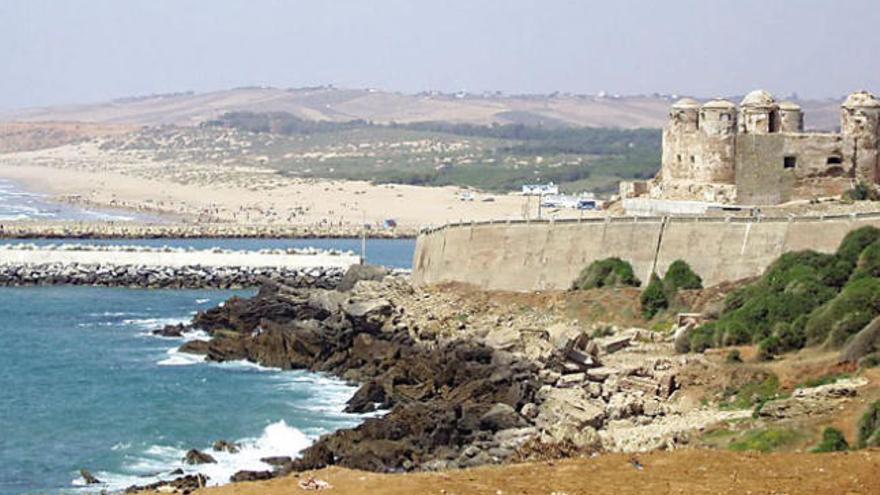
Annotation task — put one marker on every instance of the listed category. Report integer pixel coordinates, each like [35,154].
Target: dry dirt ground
[682,472]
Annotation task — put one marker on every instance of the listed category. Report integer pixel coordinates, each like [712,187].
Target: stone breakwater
[186,277]
[134,230]
[165,267]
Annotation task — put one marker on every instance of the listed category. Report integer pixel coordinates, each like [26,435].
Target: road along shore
[149,267]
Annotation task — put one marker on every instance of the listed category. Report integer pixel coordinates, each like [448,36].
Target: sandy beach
[198,192]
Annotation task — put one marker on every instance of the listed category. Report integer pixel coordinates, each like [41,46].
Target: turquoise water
[19,204]
[85,385]
[396,253]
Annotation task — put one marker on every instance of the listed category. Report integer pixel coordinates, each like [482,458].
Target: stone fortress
[759,154]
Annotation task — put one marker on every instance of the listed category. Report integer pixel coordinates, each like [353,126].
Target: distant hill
[339,105]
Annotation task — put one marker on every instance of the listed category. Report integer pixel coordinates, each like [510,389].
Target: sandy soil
[689,471]
[253,196]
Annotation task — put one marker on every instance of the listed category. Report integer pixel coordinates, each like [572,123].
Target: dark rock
[171,331]
[440,398]
[88,478]
[197,457]
[502,417]
[251,476]
[277,461]
[184,484]
[224,446]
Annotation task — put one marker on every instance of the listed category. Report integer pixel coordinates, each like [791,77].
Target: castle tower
[791,118]
[860,126]
[758,113]
[717,151]
[684,115]
[681,140]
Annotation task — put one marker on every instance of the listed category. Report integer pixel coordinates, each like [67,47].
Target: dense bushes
[832,441]
[660,293]
[869,427]
[803,298]
[846,314]
[653,299]
[680,276]
[609,272]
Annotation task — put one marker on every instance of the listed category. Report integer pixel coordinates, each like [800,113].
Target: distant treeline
[532,140]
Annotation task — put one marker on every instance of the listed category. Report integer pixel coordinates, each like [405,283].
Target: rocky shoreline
[23,229]
[451,402]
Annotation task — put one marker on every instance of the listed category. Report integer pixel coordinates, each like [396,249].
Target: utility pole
[364,238]
[540,200]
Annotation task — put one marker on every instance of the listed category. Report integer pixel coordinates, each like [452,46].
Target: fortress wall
[539,256]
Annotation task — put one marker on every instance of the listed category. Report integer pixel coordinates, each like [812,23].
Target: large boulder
[568,406]
[356,273]
[198,457]
[502,417]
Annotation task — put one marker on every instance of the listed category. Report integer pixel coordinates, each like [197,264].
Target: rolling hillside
[339,105]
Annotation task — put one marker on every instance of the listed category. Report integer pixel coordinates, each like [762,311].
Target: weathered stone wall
[538,256]
[761,178]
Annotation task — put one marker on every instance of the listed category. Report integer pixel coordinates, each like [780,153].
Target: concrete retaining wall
[524,256]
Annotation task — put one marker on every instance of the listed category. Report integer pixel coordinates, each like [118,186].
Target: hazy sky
[88,50]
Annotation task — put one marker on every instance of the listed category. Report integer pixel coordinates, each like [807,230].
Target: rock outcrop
[446,403]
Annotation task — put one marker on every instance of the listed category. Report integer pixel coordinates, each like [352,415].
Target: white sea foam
[277,439]
[202,301]
[153,323]
[177,358]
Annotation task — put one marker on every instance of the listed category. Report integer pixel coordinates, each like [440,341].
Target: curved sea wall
[527,256]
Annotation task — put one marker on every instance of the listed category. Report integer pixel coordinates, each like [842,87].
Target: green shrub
[766,440]
[832,441]
[791,336]
[804,298]
[608,272]
[602,331]
[702,337]
[862,192]
[768,348]
[681,276]
[735,333]
[869,425]
[822,380]
[869,262]
[855,242]
[856,305]
[653,299]
[752,393]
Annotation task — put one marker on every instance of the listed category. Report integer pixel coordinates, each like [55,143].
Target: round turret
[758,98]
[684,115]
[758,113]
[791,118]
[860,115]
[861,99]
[860,126]
[718,118]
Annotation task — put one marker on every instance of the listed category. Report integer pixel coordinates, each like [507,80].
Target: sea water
[83,384]
[18,204]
